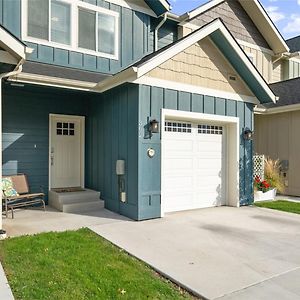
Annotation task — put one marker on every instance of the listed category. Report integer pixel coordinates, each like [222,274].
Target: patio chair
[20,196]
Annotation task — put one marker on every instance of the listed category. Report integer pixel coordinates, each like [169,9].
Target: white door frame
[82,138]
[231,144]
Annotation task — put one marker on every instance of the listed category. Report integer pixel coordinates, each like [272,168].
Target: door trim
[231,125]
[82,138]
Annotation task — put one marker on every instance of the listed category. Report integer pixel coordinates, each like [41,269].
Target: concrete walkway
[35,220]
[219,253]
[5,291]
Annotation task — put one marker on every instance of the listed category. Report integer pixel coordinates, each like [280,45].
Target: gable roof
[222,38]
[159,6]
[294,43]
[258,15]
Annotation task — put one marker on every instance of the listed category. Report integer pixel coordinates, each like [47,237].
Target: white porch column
[2,233]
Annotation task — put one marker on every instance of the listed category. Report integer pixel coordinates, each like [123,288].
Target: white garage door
[193,165]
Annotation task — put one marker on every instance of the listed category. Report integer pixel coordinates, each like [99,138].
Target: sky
[284,13]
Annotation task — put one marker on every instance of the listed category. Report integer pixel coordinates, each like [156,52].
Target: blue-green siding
[26,128]
[151,101]
[136,39]
[113,135]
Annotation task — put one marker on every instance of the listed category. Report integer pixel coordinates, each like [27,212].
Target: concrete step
[76,201]
[83,207]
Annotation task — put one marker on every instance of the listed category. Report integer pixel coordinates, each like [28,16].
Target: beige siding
[277,136]
[277,72]
[201,65]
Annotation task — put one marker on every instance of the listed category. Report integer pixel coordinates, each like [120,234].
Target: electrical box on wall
[120,167]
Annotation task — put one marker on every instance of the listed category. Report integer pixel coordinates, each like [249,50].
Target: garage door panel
[193,168]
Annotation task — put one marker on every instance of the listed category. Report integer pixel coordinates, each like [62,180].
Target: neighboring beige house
[277,125]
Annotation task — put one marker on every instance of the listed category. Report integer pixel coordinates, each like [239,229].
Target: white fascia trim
[52,81]
[277,110]
[128,75]
[7,58]
[11,44]
[132,6]
[172,85]
[178,47]
[258,6]
[194,13]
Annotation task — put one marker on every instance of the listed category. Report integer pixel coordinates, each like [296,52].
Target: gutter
[156,31]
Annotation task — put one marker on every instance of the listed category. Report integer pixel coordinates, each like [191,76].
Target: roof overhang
[159,6]
[258,15]
[13,52]
[222,38]
[277,110]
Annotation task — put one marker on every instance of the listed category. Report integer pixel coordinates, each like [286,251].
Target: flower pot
[261,196]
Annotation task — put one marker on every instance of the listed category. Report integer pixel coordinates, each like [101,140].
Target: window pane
[60,22]
[38,19]
[106,34]
[87,29]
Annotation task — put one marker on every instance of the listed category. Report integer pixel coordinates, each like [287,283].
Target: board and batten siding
[112,134]
[278,137]
[136,39]
[151,101]
[25,134]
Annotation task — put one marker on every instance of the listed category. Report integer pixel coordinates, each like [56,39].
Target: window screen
[38,19]
[60,22]
[87,29]
[106,34]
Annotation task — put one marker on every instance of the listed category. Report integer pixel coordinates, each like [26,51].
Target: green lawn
[288,206]
[79,265]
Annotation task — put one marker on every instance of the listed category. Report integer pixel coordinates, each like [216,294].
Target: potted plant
[266,189]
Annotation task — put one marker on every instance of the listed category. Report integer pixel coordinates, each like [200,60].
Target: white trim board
[232,147]
[277,110]
[151,81]
[133,73]
[82,132]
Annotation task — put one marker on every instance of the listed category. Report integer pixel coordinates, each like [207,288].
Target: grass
[283,205]
[79,265]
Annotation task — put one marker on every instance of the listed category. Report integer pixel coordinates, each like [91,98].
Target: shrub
[273,175]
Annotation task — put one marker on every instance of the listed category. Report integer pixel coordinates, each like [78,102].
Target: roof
[259,16]
[159,6]
[221,37]
[294,43]
[288,92]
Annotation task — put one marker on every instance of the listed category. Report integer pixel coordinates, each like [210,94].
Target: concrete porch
[35,220]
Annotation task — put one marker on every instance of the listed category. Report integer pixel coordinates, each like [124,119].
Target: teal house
[151,109]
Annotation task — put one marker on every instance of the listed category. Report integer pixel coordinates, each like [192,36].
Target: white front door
[193,165]
[66,151]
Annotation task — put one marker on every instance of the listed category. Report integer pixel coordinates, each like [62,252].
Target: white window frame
[75,5]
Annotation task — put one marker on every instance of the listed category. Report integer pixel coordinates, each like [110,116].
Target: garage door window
[172,126]
[210,129]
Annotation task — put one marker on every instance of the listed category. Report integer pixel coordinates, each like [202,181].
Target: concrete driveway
[219,253]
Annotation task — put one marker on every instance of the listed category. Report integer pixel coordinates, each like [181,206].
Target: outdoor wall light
[154,126]
[248,134]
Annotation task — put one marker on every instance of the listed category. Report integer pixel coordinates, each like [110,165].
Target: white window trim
[75,5]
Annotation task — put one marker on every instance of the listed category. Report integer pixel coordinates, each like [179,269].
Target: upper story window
[72,25]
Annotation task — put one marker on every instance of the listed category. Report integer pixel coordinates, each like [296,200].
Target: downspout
[4,75]
[161,23]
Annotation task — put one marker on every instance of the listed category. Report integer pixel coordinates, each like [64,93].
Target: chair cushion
[8,187]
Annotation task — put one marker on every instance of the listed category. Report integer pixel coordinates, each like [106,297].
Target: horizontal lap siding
[26,129]
[152,100]
[111,135]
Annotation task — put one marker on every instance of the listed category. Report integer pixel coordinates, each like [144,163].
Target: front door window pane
[38,19]
[60,22]
[87,29]
[106,34]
